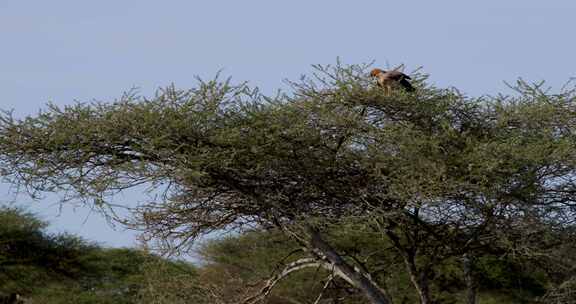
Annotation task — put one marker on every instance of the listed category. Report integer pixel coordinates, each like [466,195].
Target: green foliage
[174,283]
[29,256]
[435,175]
[234,262]
[63,268]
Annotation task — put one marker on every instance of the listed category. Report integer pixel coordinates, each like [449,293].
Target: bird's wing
[396,75]
[407,85]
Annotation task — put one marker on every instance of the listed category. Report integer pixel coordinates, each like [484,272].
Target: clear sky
[62,51]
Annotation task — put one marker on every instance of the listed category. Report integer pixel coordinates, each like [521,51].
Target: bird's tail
[407,85]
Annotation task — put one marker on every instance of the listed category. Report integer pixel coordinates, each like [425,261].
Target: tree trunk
[467,265]
[361,280]
[419,277]
[422,287]
[420,281]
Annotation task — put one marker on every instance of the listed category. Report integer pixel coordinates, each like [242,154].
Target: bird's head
[376,72]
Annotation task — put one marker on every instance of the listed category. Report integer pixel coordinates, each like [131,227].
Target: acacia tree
[437,173]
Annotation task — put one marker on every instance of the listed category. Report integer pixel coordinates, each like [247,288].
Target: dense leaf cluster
[439,175]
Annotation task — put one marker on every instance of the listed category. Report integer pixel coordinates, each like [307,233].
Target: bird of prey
[390,79]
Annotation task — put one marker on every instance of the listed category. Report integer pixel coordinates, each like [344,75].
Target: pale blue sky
[62,51]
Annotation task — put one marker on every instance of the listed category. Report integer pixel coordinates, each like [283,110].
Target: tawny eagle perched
[389,79]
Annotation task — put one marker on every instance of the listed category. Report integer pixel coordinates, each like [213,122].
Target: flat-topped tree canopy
[336,147]
[450,166]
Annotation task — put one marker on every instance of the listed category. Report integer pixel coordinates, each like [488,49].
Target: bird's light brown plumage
[388,79]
